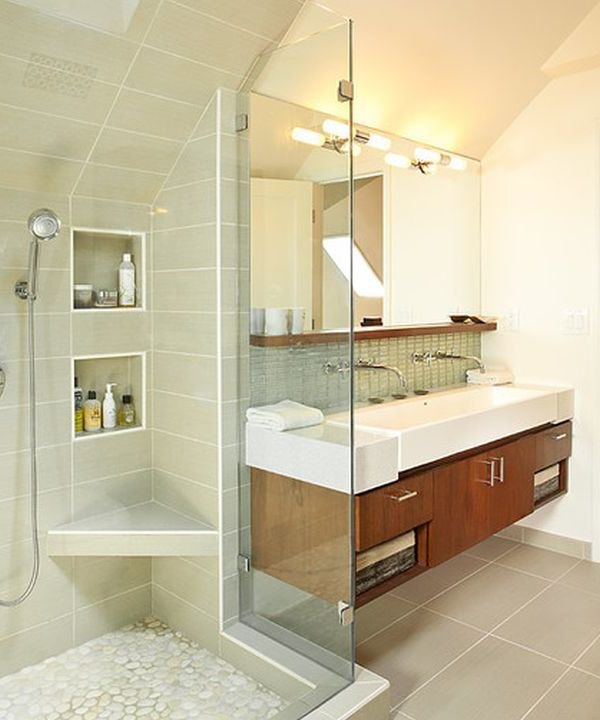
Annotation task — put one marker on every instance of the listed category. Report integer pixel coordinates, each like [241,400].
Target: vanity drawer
[394,509]
[553,445]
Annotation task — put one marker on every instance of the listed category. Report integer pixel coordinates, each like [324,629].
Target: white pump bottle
[109,408]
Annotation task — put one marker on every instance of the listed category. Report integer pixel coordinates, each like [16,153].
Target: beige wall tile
[54,426]
[185,248]
[187,458]
[190,417]
[181,31]
[189,291]
[35,645]
[52,336]
[110,214]
[55,509]
[45,134]
[21,86]
[54,471]
[106,56]
[189,205]
[103,334]
[17,205]
[111,493]
[198,161]
[114,613]
[112,455]
[174,77]
[193,623]
[53,381]
[112,183]
[32,172]
[103,577]
[186,374]
[188,582]
[14,244]
[53,293]
[122,148]
[190,498]
[154,115]
[186,332]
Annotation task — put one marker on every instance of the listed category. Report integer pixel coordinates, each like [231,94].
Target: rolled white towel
[284,415]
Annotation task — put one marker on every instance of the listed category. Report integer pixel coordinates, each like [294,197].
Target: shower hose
[33,474]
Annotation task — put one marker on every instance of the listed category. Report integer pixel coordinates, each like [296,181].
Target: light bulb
[337,128]
[426,155]
[379,142]
[308,137]
[457,163]
[399,161]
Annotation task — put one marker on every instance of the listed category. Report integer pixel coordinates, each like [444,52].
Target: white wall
[540,205]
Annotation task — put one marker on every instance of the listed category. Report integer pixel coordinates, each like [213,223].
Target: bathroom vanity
[433,476]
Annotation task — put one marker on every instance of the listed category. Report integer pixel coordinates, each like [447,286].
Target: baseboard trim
[548,541]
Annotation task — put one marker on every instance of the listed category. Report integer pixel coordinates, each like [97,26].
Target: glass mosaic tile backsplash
[297,373]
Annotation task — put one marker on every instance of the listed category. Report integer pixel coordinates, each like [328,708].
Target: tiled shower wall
[298,373]
[76,599]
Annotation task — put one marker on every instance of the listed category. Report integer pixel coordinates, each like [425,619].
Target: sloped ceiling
[453,73]
[99,108]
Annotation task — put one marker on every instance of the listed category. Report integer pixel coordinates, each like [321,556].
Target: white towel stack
[284,415]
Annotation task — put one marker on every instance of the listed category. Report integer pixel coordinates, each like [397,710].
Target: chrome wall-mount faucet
[374,365]
[429,357]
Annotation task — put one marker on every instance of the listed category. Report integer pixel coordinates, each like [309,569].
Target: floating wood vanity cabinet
[458,502]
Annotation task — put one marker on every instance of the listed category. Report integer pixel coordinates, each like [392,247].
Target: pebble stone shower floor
[146,671]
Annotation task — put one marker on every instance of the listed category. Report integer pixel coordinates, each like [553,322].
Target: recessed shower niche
[96,256]
[128,375]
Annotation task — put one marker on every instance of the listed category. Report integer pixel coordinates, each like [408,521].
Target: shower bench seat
[148,529]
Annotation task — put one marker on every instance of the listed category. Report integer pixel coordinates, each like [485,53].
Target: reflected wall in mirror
[416,217]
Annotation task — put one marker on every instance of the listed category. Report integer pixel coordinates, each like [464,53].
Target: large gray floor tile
[412,650]
[561,623]
[591,659]
[489,597]
[585,576]
[545,563]
[575,697]
[492,548]
[378,614]
[493,681]
[426,586]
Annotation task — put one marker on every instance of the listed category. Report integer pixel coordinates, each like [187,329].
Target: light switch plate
[511,320]
[576,321]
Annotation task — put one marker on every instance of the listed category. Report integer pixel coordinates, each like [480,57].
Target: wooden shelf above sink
[369,333]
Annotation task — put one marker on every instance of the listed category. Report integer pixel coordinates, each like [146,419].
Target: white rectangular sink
[444,423]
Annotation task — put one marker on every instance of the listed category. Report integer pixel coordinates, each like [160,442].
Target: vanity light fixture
[399,161]
[341,129]
[428,160]
[308,137]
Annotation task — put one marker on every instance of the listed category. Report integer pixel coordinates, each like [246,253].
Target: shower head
[44,224]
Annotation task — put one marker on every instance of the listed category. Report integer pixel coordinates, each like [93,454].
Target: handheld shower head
[44,224]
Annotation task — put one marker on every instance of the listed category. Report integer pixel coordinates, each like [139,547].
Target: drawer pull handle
[500,461]
[562,436]
[406,495]
[491,480]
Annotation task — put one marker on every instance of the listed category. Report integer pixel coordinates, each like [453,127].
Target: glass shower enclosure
[296,582]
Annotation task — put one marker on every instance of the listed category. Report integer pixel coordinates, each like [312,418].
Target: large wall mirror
[417,223]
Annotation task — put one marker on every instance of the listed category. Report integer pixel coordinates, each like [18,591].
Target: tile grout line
[491,632]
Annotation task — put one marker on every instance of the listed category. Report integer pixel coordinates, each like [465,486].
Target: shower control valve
[22,290]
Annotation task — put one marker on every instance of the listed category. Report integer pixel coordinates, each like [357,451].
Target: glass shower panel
[296,484]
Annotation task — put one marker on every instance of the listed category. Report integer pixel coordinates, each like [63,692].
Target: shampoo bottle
[109,408]
[92,413]
[78,407]
[127,412]
[127,282]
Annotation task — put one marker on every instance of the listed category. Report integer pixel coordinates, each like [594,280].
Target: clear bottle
[78,407]
[127,282]
[92,413]
[127,412]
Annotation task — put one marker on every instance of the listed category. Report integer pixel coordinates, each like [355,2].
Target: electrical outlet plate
[575,321]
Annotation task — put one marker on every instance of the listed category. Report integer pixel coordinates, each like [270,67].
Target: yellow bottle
[92,413]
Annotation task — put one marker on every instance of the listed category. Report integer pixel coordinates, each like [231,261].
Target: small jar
[83,296]
[127,412]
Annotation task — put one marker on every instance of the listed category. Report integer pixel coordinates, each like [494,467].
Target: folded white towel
[284,415]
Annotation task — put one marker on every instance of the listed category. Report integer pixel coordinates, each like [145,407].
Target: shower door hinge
[242,122]
[345,91]
[345,613]
[243,563]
